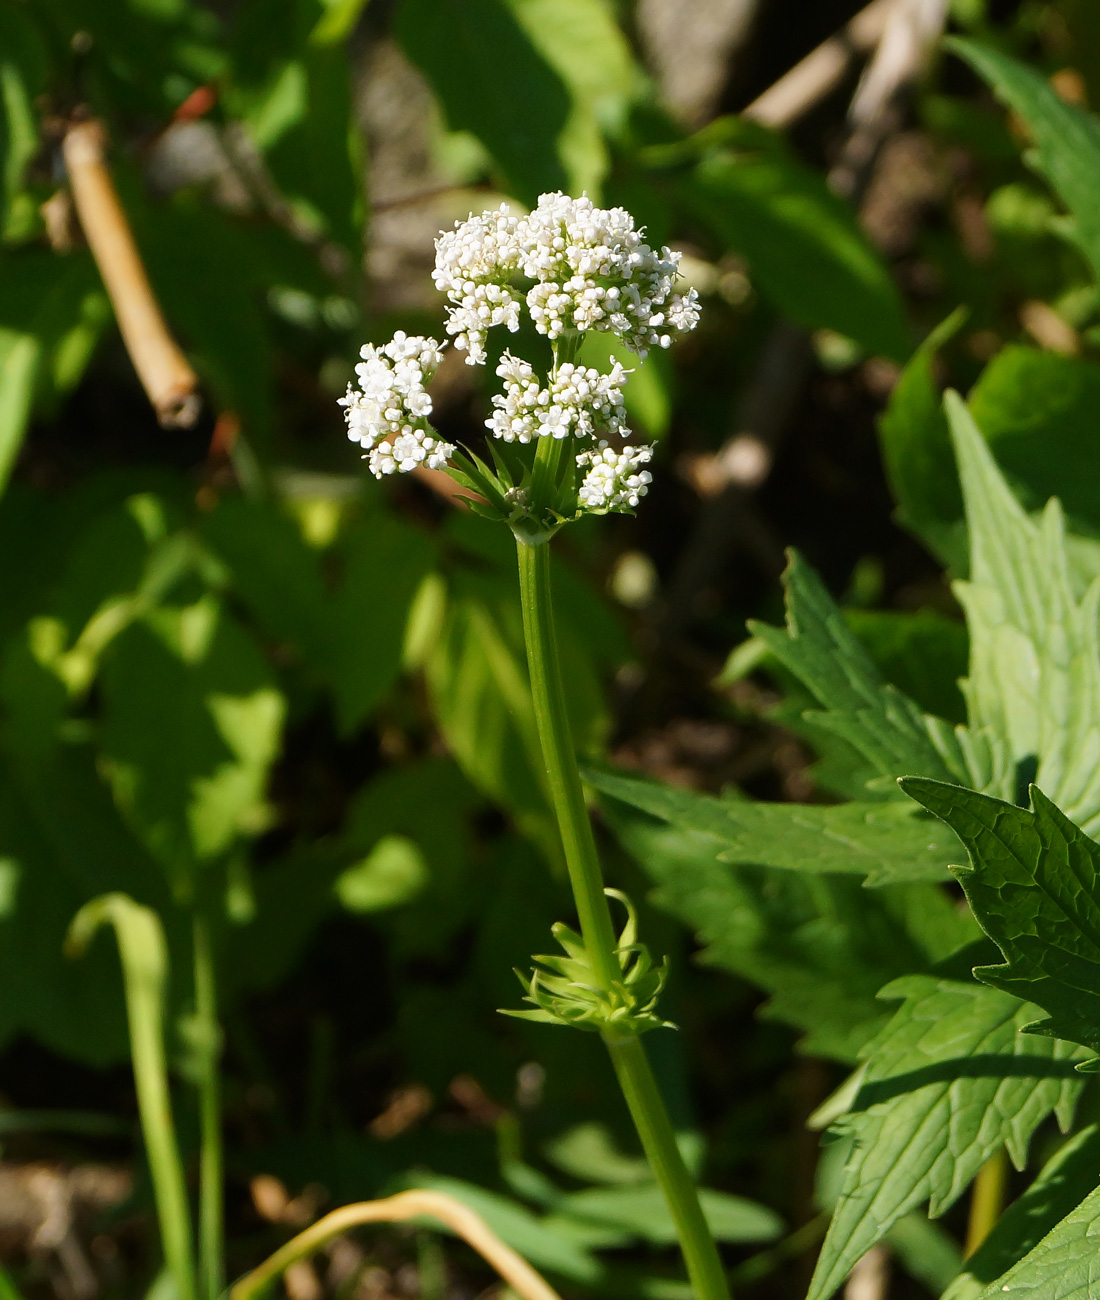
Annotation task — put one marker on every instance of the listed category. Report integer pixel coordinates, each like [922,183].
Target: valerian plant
[559,451]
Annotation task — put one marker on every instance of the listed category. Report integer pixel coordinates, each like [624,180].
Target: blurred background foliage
[232,668]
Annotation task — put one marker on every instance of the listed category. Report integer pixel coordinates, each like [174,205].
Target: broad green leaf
[191,673]
[916,447]
[803,244]
[950,1080]
[1067,139]
[1065,1265]
[1066,1179]
[1037,411]
[1034,885]
[586,47]
[1034,678]
[884,725]
[641,1211]
[875,840]
[482,63]
[523,1231]
[820,946]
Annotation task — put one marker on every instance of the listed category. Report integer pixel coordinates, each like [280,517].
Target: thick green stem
[627,1053]
[211,1194]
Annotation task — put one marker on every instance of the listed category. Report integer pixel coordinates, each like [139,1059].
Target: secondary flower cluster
[590,267]
[388,414]
[575,267]
[578,400]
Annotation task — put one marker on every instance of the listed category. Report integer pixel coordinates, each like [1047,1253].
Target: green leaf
[951,1079]
[876,840]
[1067,139]
[1063,1266]
[1034,682]
[23,61]
[1037,412]
[586,47]
[1065,1181]
[884,725]
[641,1211]
[1034,885]
[922,653]
[481,63]
[916,445]
[821,946]
[19,357]
[197,673]
[803,244]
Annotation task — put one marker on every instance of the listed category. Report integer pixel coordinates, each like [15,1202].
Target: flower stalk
[628,1055]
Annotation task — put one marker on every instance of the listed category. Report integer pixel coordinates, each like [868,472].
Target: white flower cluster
[474,265]
[579,401]
[615,480]
[591,270]
[388,414]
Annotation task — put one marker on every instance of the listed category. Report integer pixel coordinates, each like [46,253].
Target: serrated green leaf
[1034,647]
[1062,1185]
[876,840]
[1064,1266]
[1034,884]
[820,945]
[884,725]
[951,1079]
[1067,139]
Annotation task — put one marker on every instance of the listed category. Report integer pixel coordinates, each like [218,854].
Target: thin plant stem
[144,956]
[635,1076]
[211,1164]
[987,1200]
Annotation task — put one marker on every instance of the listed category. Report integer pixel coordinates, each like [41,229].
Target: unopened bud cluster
[575,268]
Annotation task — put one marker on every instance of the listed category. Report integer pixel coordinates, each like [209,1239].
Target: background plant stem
[636,1079]
[211,1197]
[987,1200]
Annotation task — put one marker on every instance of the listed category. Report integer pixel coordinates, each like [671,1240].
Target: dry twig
[512,1267]
[170,383]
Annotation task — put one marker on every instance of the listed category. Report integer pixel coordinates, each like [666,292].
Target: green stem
[211,1194]
[987,1200]
[567,795]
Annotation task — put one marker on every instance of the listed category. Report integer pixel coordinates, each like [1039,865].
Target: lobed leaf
[881,723]
[1065,1265]
[881,841]
[1034,678]
[1034,884]
[950,1080]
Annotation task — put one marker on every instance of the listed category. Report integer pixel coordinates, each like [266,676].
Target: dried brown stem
[168,380]
[512,1267]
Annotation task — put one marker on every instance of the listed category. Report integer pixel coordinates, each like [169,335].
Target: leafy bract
[1034,885]
[951,1079]
[881,723]
[1067,139]
[878,840]
[1034,680]
[1064,1182]
[820,945]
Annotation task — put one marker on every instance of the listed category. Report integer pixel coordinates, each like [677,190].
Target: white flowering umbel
[388,414]
[574,268]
